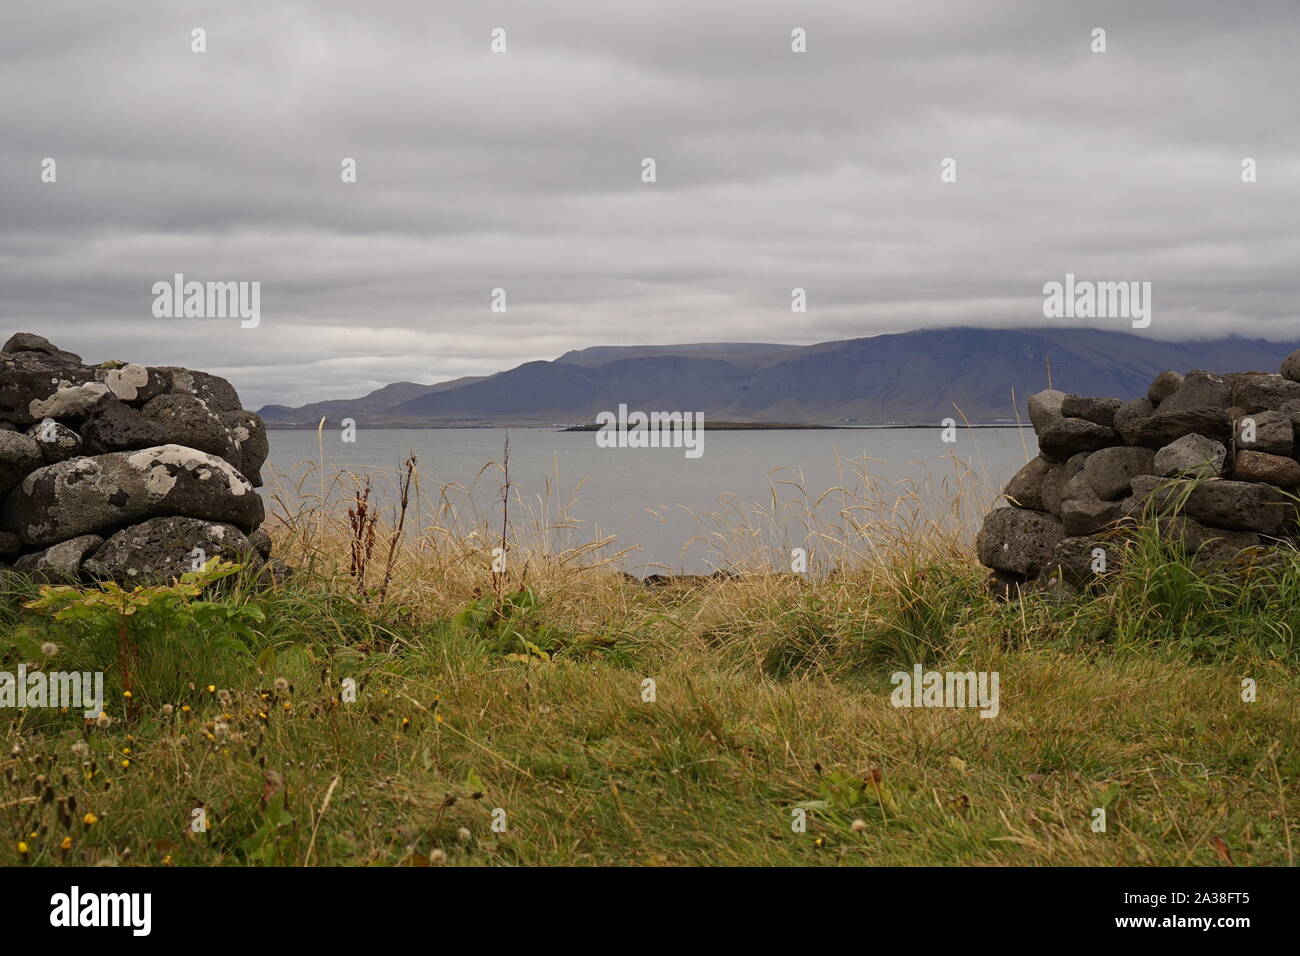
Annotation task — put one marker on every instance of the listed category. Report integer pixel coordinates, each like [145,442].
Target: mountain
[905,378]
[736,353]
[364,408]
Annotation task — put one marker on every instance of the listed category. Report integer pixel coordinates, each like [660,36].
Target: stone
[81,460]
[1054,483]
[1163,428]
[260,541]
[30,342]
[1199,389]
[1291,367]
[1017,541]
[1292,411]
[132,383]
[29,378]
[19,456]
[108,492]
[62,561]
[187,420]
[251,444]
[1242,506]
[1068,436]
[113,425]
[215,392]
[1045,408]
[72,401]
[1074,560]
[1110,470]
[1083,513]
[274,571]
[1205,545]
[1025,489]
[1219,502]
[1257,391]
[1270,469]
[1273,433]
[160,550]
[1100,411]
[1078,486]
[1192,456]
[1143,487]
[1164,385]
[56,441]
[1129,415]
[1051,586]
[1004,586]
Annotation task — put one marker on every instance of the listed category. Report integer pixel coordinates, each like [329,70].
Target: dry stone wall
[123,471]
[1211,459]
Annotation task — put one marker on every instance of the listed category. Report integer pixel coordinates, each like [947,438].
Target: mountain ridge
[912,377]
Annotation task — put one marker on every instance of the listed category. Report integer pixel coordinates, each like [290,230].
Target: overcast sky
[522,170]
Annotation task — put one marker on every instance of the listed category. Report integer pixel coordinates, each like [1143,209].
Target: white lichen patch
[159,481]
[60,473]
[126,382]
[73,400]
[191,460]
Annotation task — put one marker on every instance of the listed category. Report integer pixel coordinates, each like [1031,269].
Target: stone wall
[1210,458]
[122,471]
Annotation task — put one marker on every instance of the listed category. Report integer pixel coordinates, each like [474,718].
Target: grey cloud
[521,171]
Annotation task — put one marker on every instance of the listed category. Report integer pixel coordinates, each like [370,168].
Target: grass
[503,719]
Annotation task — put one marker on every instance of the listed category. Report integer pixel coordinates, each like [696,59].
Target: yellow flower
[126,763]
[66,844]
[89,819]
[126,693]
[22,847]
[212,688]
[185,708]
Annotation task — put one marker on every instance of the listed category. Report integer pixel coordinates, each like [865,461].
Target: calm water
[752,492]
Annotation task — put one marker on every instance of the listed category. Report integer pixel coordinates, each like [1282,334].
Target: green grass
[771,692]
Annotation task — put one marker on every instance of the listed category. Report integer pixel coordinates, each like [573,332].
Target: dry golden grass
[519,698]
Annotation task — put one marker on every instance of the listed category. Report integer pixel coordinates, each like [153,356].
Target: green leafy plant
[510,626]
[110,609]
[265,844]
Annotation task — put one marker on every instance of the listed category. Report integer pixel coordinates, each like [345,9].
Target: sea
[752,500]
